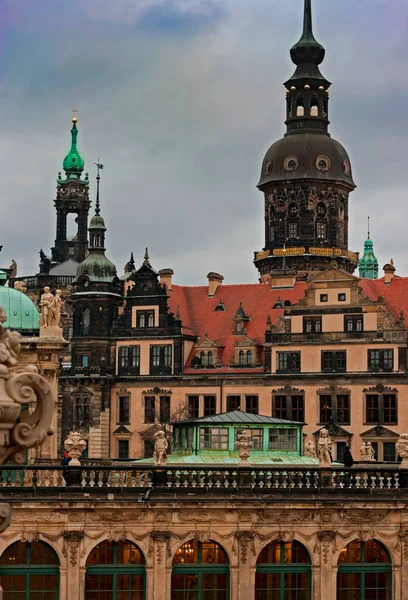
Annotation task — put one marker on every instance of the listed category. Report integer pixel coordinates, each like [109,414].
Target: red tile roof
[199,317]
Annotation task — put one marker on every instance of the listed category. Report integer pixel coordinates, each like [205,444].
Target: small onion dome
[97,222]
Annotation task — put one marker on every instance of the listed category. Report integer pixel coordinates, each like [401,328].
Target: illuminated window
[364,572]
[283,571]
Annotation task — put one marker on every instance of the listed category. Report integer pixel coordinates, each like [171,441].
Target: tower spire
[307,19]
[368,228]
[73,162]
[99,166]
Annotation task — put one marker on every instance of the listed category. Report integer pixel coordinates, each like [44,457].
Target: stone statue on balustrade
[325,448]
[310,449]
[160,448]
[51,307]
[367,452]
[244,445]
[402,449]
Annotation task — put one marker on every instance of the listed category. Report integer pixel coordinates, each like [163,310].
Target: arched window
[200,571]
[314,108]
[150,321]
[300,108]
[283,570]
[142,320]
[241,357]
[210,359]
[249,357]
[115,570]
[364,570]
[203,358]
[85,321]
[29,571]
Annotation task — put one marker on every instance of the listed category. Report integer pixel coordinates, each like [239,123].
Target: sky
[180,99]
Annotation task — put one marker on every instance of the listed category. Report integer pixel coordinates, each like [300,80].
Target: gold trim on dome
[264,254]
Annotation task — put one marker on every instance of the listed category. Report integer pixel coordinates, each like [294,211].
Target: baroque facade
[310,347]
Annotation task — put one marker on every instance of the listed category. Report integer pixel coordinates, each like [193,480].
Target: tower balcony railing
[300,251]
[48,480]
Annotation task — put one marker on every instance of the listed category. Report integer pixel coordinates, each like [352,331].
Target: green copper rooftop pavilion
[306,176]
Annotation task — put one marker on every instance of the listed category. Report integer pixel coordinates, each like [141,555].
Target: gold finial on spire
[74,117]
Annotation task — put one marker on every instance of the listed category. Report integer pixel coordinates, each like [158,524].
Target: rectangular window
[312,324]
[150,409]
[298,409]
[341,297]
[372,409]
[390,409]
[288,362]
[123,358]
[324,298]
[161,359]
[272,233]
[343,409]
[148,448]
[124,406]
[353,324]
[293,231]
[321,231]
[193,407]
[233,403]
[380,360]
[326,409]
[134,359]
[282,439]
[128,360]
[252,404]
[340,448]
[256,437]
[280,407]
[334,362]
[213,438]
[164,409]
[209,405]
[389,452]
[84,360]
[123,448]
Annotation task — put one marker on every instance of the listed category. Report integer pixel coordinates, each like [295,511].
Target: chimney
[165,277]
[214,280]
[389,271]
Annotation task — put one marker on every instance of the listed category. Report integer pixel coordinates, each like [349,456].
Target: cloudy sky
[180,100]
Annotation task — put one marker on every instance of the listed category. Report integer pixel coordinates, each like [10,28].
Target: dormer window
[239,327]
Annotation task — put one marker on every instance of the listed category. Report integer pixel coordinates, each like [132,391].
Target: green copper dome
[22,314]
[368,266]
[73,162]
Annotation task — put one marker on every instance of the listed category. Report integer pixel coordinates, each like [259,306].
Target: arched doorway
[29,570]
[365,572]
[115,570]
[283,572]
[200,572]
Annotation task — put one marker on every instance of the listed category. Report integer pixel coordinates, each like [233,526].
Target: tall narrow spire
[99,166]
[307,19]
[307,53]
[368,228]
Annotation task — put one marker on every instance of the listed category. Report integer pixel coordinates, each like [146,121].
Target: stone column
[72,543]
[160,543]
[245,586]
[324,582]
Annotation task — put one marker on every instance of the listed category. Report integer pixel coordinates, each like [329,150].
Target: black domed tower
[306,176]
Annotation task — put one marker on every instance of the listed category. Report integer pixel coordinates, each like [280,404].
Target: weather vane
[99,166]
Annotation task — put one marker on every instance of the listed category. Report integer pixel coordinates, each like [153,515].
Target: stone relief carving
[287,516]
[365,516]
[310,449]
[162,539]
[246,542]
[200,517]
[72,540]
[326,540]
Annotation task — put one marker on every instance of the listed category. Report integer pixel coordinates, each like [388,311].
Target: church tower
[72,198]
[306,176]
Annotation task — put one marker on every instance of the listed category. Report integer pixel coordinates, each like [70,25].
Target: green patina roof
[368,265]
[223,458]
[73,162]
[22,314]
[97,268]
[237,417]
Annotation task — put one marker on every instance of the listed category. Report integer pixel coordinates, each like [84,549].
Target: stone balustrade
[170,479]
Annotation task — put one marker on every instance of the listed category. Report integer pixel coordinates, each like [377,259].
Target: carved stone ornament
[326,539]
[244,445]
[72,541]
[75,445]
[310,449]
[27,389]
[246,541]
[200,517]
[367,453]
[402,449]
[51,307]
